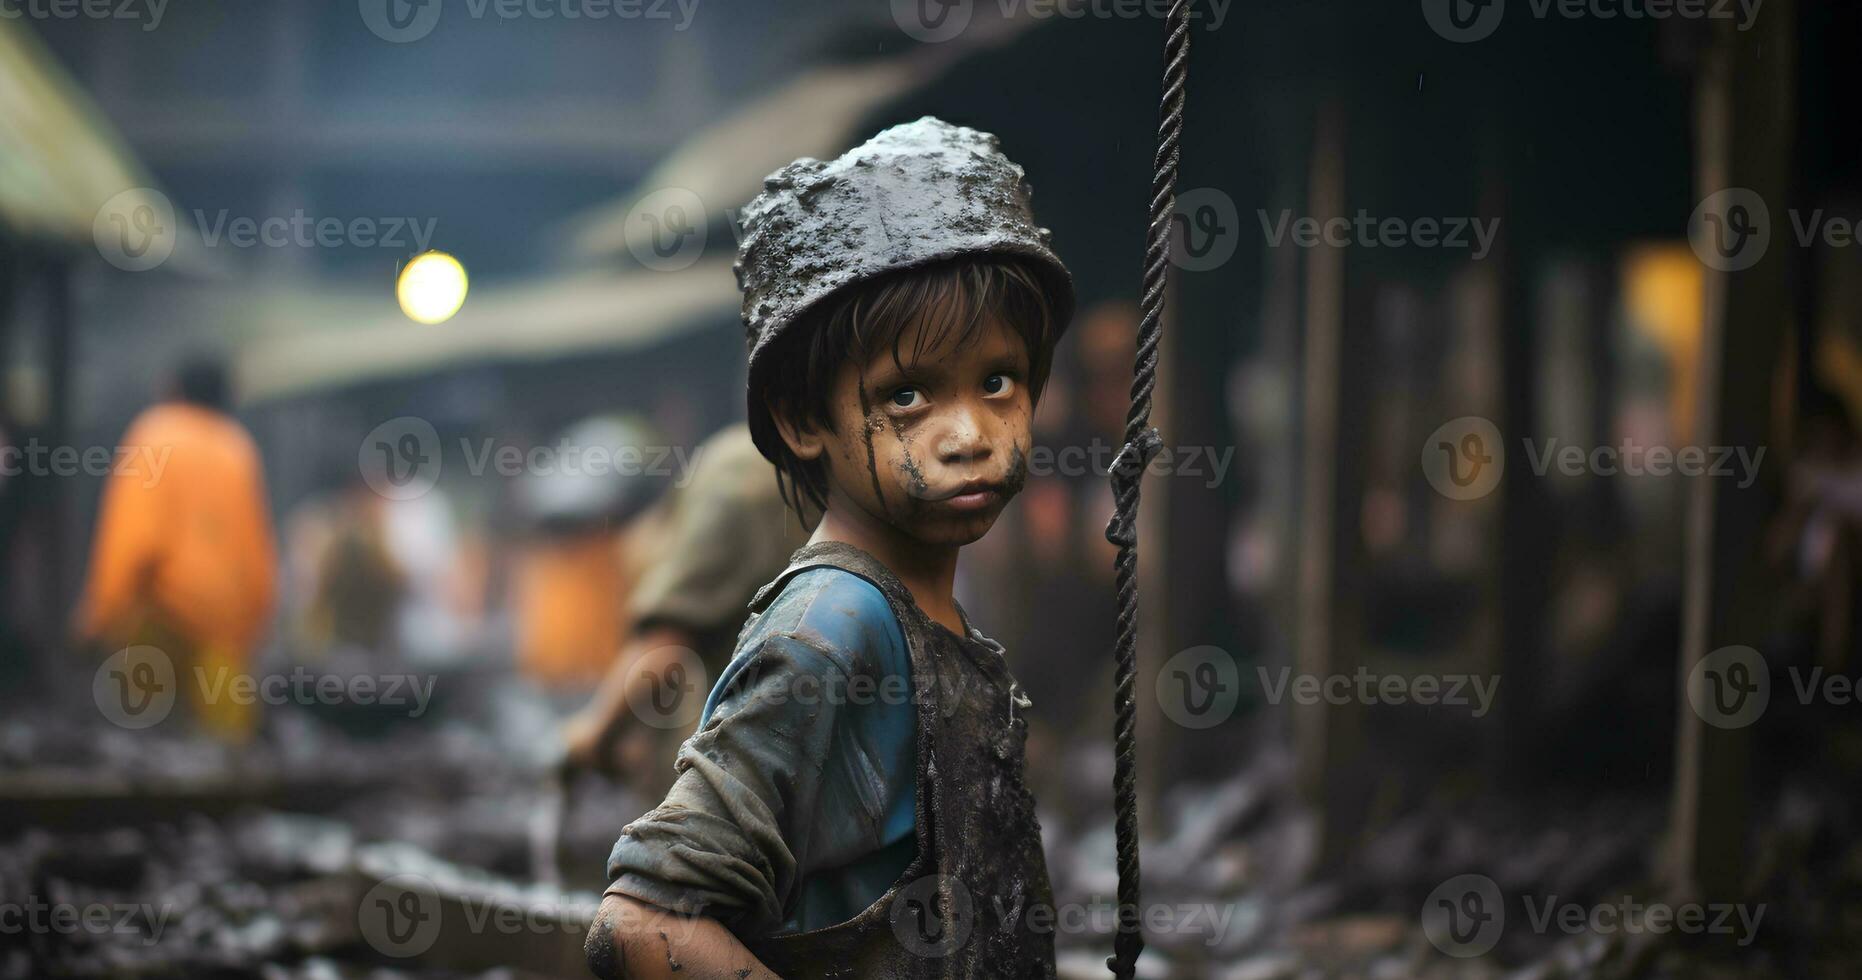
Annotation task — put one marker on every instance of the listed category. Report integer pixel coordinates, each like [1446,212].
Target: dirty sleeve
[733,835]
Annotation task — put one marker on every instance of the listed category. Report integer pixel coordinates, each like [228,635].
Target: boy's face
[936,449]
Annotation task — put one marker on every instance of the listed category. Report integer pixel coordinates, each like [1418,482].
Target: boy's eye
[905,397]
[997,384]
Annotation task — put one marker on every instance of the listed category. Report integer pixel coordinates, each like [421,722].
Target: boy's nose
[964,439]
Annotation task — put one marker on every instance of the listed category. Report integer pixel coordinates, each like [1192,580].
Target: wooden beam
[1324,735]
[1745,118]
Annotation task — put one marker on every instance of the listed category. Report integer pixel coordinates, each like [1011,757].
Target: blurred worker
[717,537]
[573,573]
[183,558]
[344,586]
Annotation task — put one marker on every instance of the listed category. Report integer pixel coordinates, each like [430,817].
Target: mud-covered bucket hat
[918,193]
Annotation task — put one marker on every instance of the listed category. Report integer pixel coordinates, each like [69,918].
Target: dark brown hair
[949,299]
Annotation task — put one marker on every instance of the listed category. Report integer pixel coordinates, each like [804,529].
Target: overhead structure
[532,320]
[61,160]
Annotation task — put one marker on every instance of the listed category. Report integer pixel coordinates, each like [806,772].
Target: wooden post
[1324,735]
[1744,111]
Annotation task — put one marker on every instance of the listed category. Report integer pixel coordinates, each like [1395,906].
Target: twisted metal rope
[1142,444]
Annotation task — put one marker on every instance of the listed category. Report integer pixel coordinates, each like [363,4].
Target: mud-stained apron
[962,909]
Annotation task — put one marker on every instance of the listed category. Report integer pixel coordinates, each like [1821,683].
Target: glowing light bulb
[431,288]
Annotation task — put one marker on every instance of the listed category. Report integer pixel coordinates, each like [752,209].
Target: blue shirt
[795,804]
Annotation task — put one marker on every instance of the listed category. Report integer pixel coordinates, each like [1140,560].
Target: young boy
[853,803]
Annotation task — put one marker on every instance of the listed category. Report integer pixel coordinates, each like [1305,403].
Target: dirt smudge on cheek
[918,489]
[1017,476]
[869,422]
[672,962]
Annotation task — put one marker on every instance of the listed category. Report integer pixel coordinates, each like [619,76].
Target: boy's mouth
[974,495]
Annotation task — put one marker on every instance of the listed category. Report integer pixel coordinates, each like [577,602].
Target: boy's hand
[632,940]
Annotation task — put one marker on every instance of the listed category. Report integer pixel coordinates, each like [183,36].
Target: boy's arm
[632,940]
[739,827]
